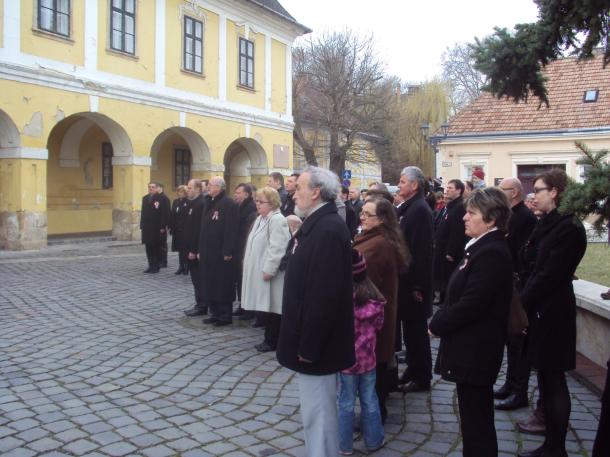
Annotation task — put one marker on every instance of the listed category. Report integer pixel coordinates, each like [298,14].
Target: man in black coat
[166,203]
[317,332]
[513,394]
[192,228]
[242,195]
[415,287]
[154,218]
[217,247]
[450,237]
[354,197]
[276,180]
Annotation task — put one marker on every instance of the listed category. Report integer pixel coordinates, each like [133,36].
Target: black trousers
[476,406]
[164,249]
[272,329]
[601,447]
[153,254]
[417,350]
[195,272]
[518,368]
[221,310]
[183,260]
[382,387]
[557,406]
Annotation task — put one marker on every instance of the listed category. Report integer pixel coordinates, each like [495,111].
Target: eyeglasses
[537,190]
[260,202]
[367,215]
[506,189]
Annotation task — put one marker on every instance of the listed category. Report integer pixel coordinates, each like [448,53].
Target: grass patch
[595,265]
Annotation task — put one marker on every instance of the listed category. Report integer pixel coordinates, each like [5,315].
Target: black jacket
[472,321]
[192,224]
[246,217]
[450,237]
[218,238]
[415,220]
[176,222]
[550,257]
[351,219]
[317,307]
[287,207]
[154,217]
[520,226]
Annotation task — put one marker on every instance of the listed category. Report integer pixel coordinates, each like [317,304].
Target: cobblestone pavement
[96,359]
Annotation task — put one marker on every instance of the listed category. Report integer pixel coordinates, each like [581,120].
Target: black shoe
[404,378]
[264,347]
[186,271]
[503,392]
[413,386]
[148,270]
[239,312]
[513,401]
[222,323]
[210,320]
[246,316]
[154,270]
[196,311]
[257,324]
[179,271]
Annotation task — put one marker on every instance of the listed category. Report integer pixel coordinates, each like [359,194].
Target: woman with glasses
[550,258]
[263,282]
[383,247]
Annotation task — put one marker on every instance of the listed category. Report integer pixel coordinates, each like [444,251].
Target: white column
[160,43]
[12,23]
[222,57]
[267,73]
[289,80]
[91,10]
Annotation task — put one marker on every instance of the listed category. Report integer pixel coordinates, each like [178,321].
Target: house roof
[568,79]
[275,7]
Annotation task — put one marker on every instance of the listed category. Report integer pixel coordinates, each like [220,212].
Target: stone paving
[96,359]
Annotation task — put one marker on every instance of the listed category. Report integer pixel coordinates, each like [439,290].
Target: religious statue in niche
[87,171]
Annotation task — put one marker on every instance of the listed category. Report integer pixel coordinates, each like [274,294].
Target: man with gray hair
[217,247]
[415,287]
[317,332]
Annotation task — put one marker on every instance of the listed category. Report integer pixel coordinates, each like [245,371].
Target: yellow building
[98,97]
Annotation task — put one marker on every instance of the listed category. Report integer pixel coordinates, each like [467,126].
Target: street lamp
[436,139]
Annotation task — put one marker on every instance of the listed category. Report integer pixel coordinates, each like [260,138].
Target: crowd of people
[342,279]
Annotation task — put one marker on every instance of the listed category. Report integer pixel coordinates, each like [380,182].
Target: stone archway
[178,154]
[84,152]
[245,160]
[9,134]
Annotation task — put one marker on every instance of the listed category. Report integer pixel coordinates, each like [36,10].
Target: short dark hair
[205,181]
[493,205]
[277,177]
[344,190]
[469,185]
[379,194]
[458,184]
[296,175]
[555,178]
[247,188]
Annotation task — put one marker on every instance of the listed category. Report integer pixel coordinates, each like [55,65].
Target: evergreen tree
[593,196]
[513,62]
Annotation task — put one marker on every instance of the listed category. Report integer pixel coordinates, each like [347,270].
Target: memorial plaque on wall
[281,158]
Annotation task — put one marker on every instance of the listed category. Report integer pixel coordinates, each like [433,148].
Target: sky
[411,35]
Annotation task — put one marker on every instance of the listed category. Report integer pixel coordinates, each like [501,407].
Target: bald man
[513,394]
[217,247]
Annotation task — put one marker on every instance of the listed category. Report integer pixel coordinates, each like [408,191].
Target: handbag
[517,317]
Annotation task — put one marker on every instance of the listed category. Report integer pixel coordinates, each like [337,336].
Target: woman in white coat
[263,282]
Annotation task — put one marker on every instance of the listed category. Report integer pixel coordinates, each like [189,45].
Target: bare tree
[339,93]
[464,81]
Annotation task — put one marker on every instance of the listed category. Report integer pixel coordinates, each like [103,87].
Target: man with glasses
[513,394]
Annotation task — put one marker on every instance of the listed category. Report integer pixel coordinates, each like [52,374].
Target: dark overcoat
[520,226]
[450,239]
[550,257]
[176,222]
[287,207]
[382,267]
[415,220]
[472,321]
[246,217]
[218,238]
[192,224]
[154,217]
[317,307]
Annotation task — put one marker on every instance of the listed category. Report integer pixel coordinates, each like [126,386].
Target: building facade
[99,97]
[523,139]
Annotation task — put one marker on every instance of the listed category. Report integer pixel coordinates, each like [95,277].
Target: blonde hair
[181,188]
[271,195]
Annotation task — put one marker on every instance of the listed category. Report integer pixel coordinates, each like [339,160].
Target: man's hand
[449,258]
[301,359]
[267,276]
[192,256]
[162,230]
[417,296]
[227,258]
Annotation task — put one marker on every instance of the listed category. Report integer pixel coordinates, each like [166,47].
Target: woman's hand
[267,276]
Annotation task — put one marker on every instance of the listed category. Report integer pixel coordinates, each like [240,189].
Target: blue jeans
[362,385]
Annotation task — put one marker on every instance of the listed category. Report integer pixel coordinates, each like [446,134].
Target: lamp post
[424,129]
[436,139]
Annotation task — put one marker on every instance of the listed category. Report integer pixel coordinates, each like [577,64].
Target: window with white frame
[54,16]
[246,63]
[193,45]
[123,26]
